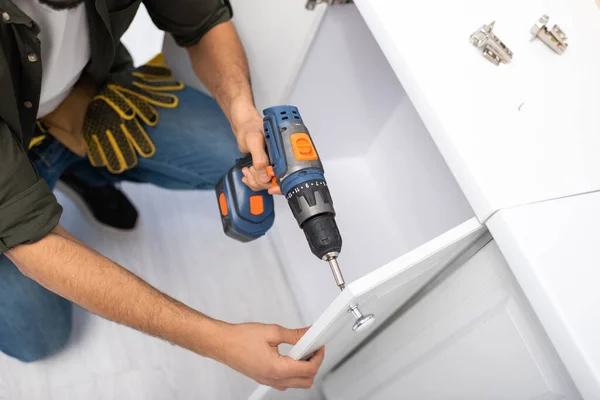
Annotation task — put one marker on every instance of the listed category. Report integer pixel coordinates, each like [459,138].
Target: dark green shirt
[28,209]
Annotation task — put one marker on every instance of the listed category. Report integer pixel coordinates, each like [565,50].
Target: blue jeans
[194,148]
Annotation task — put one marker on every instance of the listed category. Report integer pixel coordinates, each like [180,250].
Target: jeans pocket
[51,153]
[51,160]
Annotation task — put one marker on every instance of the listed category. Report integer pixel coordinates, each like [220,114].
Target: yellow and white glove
[112,127]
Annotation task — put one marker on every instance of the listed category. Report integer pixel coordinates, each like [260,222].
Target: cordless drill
[297,169]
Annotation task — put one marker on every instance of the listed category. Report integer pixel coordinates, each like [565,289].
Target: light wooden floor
[179,248]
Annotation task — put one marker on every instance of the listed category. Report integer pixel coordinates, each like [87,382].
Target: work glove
[113,126]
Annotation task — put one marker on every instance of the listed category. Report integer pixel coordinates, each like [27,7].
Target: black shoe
[108,205]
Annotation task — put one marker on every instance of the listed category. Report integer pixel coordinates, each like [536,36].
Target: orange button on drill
[303,147]
[223,204]
[271,173]
[257,206]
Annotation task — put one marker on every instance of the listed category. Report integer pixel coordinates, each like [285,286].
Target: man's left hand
[247,126]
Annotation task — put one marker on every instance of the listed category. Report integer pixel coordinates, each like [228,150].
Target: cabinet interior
[391,188]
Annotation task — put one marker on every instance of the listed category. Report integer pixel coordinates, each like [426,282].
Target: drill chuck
[323,236]
[311,205]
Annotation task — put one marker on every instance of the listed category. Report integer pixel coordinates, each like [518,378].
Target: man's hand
[247,126]
[252,350]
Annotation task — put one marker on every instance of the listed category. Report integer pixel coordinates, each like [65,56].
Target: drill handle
[245,214]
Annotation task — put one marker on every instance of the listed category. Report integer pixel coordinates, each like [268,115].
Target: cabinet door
[449,308]
[472,337]
[381,293]
[276,36]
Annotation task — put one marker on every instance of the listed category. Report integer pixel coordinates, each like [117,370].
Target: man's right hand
[252,350]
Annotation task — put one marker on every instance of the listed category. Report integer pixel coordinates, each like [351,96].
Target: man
[53,53]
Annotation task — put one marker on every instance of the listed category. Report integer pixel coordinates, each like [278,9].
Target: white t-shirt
[64,36]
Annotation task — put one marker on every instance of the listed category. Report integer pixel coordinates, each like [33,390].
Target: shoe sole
[85,210]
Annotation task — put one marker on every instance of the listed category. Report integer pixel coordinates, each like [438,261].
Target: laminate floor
[179,248]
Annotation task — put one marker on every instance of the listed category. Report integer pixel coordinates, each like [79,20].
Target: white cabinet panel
[512,134]
[472,337]
[552,248]
[381,292]
[276,36]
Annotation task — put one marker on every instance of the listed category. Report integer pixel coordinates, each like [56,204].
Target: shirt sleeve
[188,20]
[28,209]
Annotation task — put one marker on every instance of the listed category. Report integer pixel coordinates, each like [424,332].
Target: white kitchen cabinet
[374,95]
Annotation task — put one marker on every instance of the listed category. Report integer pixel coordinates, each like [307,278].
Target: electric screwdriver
[297,169]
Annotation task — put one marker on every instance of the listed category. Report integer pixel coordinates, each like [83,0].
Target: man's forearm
[67,267]
[220,63]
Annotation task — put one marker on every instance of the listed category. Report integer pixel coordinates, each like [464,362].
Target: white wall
[276,36]
[143,39]
[346,90]
[423,198]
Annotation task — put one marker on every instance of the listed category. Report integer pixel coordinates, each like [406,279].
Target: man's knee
[34,322]
[35,346]
[226,153]
[194,143]
[212,135]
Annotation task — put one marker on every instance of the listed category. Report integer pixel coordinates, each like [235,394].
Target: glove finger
[109,152]
[115,151]
[139,138]
[166,100]
[160,85]
[142,108]
[156,71]
[95,154]
[99,117]
[103,130]
[123,156]
[116,101]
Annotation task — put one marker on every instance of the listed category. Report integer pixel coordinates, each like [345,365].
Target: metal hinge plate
[311,4]
[554,38]
[493,49]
